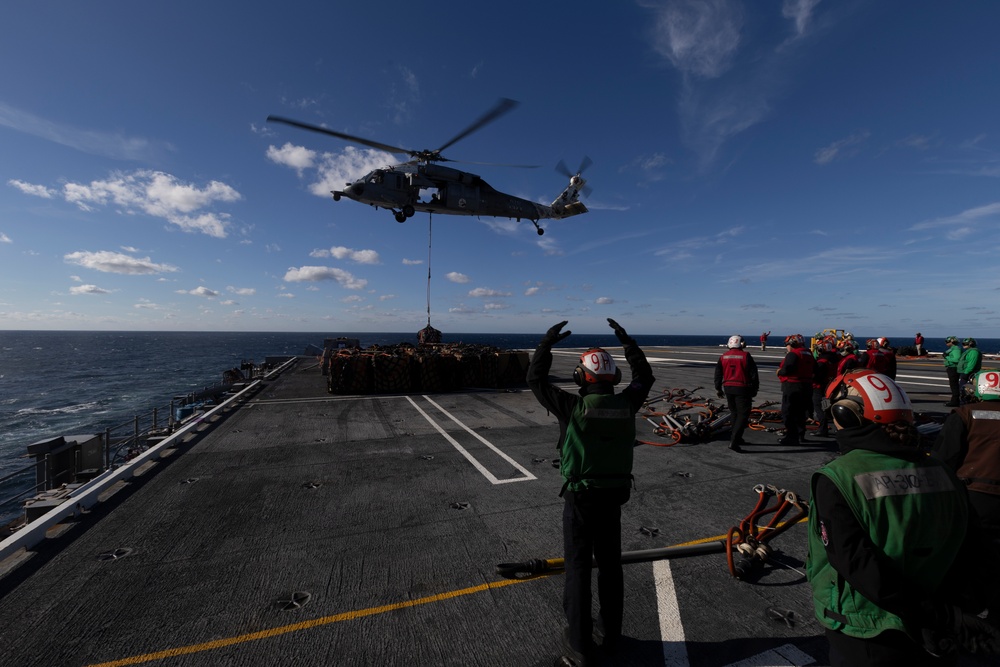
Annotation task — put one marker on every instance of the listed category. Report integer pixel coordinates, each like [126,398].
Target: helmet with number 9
[988,385]
[863,396]
[596,365]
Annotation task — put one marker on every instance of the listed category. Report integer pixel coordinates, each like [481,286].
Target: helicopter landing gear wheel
[408,211]
[336,196]
[537,228]
[400,217]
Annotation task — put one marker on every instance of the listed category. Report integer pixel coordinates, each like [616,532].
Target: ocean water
[71,382]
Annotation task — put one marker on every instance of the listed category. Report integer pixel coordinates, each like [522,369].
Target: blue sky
[785,166]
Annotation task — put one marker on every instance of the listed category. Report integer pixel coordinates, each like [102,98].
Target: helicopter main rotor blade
[503,106]
[494,164]
[339,135]
[584,164]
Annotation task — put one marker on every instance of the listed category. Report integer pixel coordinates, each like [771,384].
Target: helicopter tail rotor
[576,180]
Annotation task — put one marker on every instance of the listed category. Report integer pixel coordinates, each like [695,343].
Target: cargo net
[683,416]
[438,368]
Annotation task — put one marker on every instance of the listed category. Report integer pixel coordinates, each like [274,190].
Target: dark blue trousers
[592,533]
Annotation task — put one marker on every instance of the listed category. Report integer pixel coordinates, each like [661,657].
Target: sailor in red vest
[763,340]
[737,381]
[827,362]
[918,342]
[795,374]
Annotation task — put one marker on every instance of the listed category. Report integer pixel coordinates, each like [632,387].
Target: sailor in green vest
[596,437]
[892,577]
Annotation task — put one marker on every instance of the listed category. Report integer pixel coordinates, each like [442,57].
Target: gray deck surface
[375,513]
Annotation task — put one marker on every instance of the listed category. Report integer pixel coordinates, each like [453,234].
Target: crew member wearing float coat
[795,374]
[894,561]
[596,438]
[969,444]
[951,357]
[866,497]
[737,381]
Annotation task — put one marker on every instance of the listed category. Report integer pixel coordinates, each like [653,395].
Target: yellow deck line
[335,618]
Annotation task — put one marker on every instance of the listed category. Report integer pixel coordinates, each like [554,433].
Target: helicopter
[401,188]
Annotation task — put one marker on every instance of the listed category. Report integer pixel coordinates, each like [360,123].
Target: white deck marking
[786,655]
[461,450]
[671,630]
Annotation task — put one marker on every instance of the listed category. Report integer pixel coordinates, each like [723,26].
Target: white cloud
[457,277]
[386,297]
[242,291]
[359,256]
[353,298]
[335,170]
[31,189]
[317,273]
[604,300]
[116,262]
[412,262]
[532,291]
[201,291]
[296,157]
[4,238]
[496,306]
[286,295]
[88,289]
[159,195]
[963,219]
[481,292]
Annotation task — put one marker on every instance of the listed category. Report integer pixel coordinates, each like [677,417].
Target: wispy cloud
[842,148]
[800,12]
[95,142]
[722,96]
[962,225]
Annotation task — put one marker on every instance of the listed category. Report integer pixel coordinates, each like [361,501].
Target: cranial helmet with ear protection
[862,396]
[596,365]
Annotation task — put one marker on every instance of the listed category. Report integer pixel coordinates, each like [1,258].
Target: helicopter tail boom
[568,202]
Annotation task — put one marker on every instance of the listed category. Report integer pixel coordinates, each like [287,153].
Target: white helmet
[736,342]
[596,365]
[863,396]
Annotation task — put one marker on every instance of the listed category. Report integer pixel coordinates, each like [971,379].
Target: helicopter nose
[357,188]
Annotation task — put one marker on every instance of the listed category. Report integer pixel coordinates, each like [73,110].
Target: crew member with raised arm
[596,438]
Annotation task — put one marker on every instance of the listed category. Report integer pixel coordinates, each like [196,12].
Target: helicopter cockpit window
[376,177]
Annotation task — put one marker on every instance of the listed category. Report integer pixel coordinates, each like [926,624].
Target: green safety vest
[886,494]
[597,451]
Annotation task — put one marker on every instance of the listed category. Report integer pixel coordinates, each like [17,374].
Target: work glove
[950,630]
[720,393]
[623,337]
[553,335]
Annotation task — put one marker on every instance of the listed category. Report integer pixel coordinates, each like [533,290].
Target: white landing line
[672,632]
[461,450]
